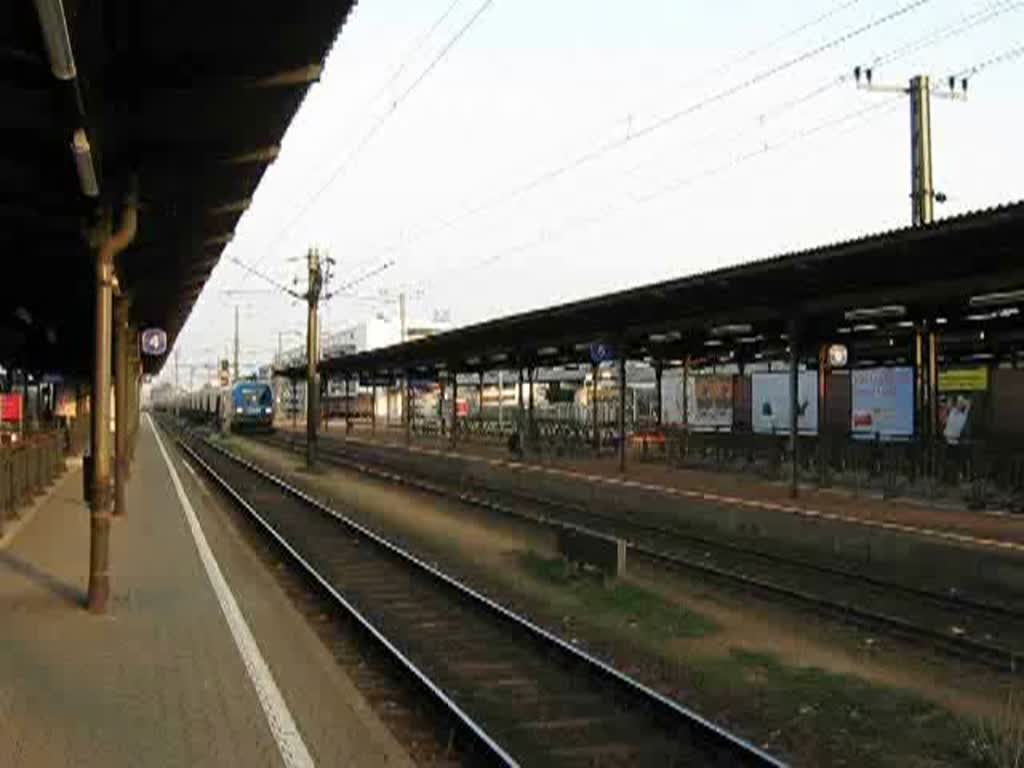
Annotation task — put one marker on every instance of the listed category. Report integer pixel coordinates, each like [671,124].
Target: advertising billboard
[964,379]
[770,402]
[10,407]
[708,403]
[962,393]
[882,402]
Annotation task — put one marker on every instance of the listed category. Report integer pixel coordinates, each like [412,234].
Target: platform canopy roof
[959,275]
[187,101]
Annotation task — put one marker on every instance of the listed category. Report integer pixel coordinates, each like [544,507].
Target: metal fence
[26,468]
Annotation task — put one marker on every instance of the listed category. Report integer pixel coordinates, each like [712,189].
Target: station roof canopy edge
[187,101]
[902,276]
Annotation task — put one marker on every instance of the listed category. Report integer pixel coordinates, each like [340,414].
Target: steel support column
[480,415]
[594,371]
[794,409]
[658,369]
[622,414]
[373,408]
[109,246]
[521,413]
[441,425]
[134,393]
[100,500]
[120,338]
[531,426]
[407,409]
[348,405]
[454,437]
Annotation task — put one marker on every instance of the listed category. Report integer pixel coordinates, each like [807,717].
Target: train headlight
[239,410]
[268,411]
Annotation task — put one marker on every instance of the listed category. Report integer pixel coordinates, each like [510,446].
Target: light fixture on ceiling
[997,299]
[83,163]
[865,313]
[731,329]
[56,38]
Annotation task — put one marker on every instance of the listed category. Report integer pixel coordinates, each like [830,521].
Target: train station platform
[995,529]
[202,660]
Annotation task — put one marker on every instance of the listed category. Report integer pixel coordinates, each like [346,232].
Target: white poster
[770,402]
[708,401]
[882,402]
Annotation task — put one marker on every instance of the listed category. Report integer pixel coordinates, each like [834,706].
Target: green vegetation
[809,715]
[818,717]
[618,604]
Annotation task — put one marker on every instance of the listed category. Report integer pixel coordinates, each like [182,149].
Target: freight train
[246,405]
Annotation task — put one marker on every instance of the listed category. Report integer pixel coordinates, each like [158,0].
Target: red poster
[10,407]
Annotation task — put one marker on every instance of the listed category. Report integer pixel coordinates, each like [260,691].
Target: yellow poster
[964,379]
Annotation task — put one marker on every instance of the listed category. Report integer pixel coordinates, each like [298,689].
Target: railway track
[517,694]
[990,634]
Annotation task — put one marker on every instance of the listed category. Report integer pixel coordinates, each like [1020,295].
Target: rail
[825,589]
[663,715]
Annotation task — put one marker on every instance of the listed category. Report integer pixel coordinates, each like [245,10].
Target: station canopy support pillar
[594,371]
[480,387]
[348,404]
[323,412]
[794,408]
[295,403]
[121,386]
[622,414]
[531,425]
[373,408]
[407,408]
[454,437]
[441,421]
[108,246]
[658,367]
[521,414]
[134,393]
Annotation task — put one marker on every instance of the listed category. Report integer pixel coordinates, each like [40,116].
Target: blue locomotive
[247,405]
[252,406]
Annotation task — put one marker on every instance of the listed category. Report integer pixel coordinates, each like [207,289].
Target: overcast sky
[717,149]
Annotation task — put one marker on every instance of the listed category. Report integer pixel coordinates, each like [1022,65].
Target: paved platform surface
[996,530]
[161,680]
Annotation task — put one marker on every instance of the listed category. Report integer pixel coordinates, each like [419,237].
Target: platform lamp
[83,163]
[56,39]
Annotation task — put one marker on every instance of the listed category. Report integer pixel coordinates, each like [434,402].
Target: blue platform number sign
[600,353]
[154,341]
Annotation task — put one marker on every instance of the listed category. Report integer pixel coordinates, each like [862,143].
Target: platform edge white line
[279,719]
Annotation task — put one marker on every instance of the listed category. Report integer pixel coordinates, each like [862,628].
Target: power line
[376,127]
[549,235]
[357,281]
[1002,58]
[945,32]
[263,276]
[600,151]
[414,49]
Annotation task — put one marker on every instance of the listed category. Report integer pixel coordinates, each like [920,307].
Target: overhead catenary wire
[414,49]
[980,67]
[550,234]
[375,128]
[610,146]
[264,276]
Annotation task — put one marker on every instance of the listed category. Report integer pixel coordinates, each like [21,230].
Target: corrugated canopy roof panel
[928,271]
[192,99]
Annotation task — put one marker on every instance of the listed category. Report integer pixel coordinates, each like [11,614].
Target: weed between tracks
[619,604]
[815,716]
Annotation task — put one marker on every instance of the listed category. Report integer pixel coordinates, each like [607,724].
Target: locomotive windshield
[255,396]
